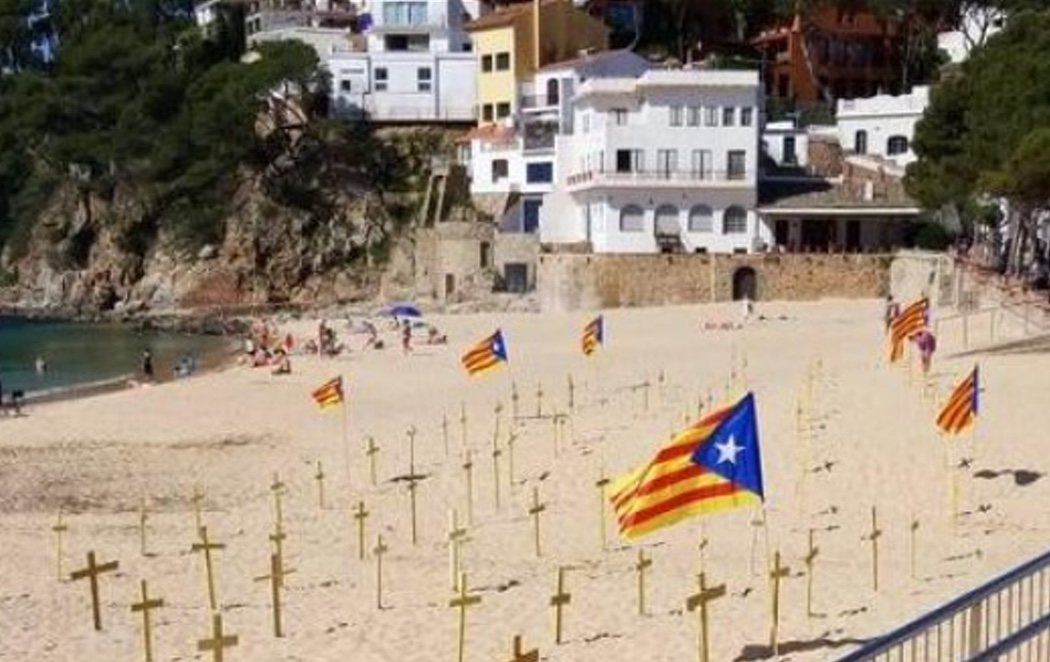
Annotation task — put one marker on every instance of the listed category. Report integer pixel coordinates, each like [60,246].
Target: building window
[486,113]
[746,116]
[701,219]
[502,61]
[552,92]
[790,156]
[666,162]
[539,173]
[619,116]
[734,221]
[502,110]
[486,63]
[676,115]
[896,145]
[710,116]
[728,116]
[701,166]
[500,170]
[405,14]
[693,116]
[344,86]
[423,75]
[632,219]
[630,160]
[485,255]
[736,164]
[860,142]
[666,221]
[530,215]
[381,78]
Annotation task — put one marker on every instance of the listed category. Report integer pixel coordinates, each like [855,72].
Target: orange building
[830,54]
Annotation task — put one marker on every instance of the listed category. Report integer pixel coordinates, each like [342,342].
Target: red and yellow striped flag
[330,394]
[693,474]
[910,321]
[593,336]
[488,354]
[960,411]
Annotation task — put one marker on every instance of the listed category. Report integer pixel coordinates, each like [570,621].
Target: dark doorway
[450,285]
[781,232]
[817,235]
[853,236]
[516,277]
[745,284]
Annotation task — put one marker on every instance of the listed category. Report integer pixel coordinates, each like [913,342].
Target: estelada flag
[330,394]
[714,465]
[593,335]
[488,354]
[909,322]
[962,407]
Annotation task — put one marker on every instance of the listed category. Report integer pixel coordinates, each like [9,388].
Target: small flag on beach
[714,465]
[330,394]
[961,409]
[593,335]
[909,322]
[486,355]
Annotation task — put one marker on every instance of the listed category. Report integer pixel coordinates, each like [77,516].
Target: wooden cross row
[319,477]
[219,639]
[874,536]
[558,601]
[511,439]
[776,574]
[463,602]
[276,578]
[380,550]
[535,511]
[468,466]
[145,606]
[600,484]
[640,567]
[496,453]
[371,453]
[278,489]
[523,656]
[59,528]
[91,572]
[196,499]
[809,560]
[572,394]
[207,547]
[360,515]
[277,538]
[700,600]
[457,535]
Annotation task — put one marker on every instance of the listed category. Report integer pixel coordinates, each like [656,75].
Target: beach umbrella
[405,310]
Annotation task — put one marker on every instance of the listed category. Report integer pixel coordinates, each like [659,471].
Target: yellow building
[512,43]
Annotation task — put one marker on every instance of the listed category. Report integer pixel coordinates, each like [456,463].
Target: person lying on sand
[282,364]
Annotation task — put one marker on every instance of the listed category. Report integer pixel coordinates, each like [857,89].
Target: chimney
[536,34]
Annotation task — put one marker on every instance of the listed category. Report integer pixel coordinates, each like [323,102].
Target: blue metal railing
[1004,615]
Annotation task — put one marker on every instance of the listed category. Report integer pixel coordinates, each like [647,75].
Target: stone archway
[745,284]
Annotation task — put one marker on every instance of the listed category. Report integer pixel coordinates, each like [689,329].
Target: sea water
[81,354]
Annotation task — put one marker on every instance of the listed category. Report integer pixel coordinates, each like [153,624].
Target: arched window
[734,221]
[667,220]
[860,142]
[700,219]
[896,145]
[632,219]
[552,92]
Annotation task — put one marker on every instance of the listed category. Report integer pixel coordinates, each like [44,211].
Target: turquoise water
[79,354]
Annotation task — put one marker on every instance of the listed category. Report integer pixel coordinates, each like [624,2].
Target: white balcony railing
[590,178]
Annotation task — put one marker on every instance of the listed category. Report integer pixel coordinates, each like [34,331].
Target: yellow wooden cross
[556,429]
[59,528]
[640,567]
[462,602]
[496,452]
[207,546]
[811,557]
[276,579]
[699,601]
[645,395]
[411,433]
[776,574]
[444,432]
[457,535]
[278,489]
[572,394]
[600,484]
[379,551]
[468,466]
[539,399]
[412,487]
[360,514]
[219,641]
[558,601]
[535,511]
[143,516]
[524,656]
[496,411]
[319,477]
[511,439]
[514,398]
[92,571]
[196,498]
[371,452]
[145,606]
[463,424]
[874,536]
[913,532]
[277,538]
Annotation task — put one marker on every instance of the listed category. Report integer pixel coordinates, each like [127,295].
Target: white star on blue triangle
[732,450]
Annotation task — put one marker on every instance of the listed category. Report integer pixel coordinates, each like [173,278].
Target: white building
[206,13]
[786,144]
[882,125]
[418,66]
[976,25]
[663,161]
[519,157]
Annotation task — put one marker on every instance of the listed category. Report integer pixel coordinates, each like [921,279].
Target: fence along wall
[574,282]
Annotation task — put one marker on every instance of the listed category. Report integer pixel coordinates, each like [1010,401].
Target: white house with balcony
[664,161]
[418,66]
[881,126]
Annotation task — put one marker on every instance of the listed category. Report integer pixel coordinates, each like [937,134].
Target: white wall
[882,117]
[772,141]
[975,27]
[325,41]
[481,160]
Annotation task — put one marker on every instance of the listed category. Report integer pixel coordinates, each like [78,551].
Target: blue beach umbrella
[405,310]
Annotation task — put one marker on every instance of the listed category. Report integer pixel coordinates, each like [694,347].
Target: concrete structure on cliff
[883,125]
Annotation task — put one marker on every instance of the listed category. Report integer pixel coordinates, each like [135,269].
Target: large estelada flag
[329,394]
[714,465]
[962,407]
[593,336]
[488,354]
[913,319]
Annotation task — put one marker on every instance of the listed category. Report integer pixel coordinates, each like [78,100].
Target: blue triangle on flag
[732,451]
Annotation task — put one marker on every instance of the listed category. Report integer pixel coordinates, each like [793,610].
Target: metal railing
[655,177]
[1006,617]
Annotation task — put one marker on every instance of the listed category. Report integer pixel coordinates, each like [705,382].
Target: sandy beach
[868,439]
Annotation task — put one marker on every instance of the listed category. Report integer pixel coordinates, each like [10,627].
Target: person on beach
[927,344]
[406,337]
[282,364]
[892,310]
[41,366]
[147,364]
